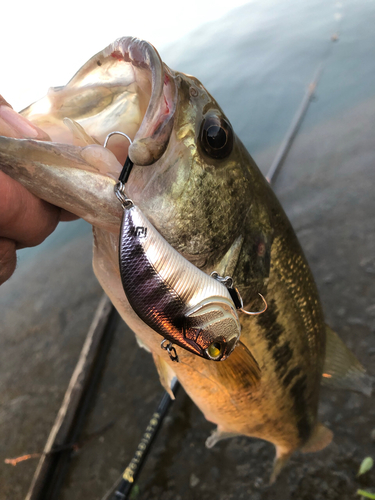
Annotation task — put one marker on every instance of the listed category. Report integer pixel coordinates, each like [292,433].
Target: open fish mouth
[125,87]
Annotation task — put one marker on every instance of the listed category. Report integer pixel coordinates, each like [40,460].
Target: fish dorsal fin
[239,371]
[141,344]
[228,264]
[342,370]
[166,374]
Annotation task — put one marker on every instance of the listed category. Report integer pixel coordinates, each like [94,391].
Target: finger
[67,216]
[24,218]
[13,124]
[8,259]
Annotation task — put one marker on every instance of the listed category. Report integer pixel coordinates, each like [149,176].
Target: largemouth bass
[196,183]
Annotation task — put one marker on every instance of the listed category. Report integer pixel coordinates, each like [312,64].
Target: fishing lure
[187,307]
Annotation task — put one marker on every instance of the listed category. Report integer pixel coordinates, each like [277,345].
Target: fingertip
[66,216]
[8,259]
[12,124]
[45,221]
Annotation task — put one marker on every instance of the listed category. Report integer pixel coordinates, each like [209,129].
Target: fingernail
[4,102]
[14,125]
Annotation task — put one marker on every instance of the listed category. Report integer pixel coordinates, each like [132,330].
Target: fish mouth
[125,87]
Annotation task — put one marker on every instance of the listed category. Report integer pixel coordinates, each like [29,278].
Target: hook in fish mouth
[124,87]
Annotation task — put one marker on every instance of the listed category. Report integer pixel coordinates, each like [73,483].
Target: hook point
[250,313]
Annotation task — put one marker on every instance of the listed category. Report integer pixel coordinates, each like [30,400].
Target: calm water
[258,61]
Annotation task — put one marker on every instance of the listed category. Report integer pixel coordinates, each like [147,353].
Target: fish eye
[216,137]
[215,350]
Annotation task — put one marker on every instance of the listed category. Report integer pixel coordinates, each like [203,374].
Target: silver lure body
[171,295]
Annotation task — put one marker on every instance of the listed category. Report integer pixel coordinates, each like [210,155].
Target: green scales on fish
[196,183]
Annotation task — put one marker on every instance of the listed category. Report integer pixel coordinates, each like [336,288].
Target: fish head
[191,175]
[197,194]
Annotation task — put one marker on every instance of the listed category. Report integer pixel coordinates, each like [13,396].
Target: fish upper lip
[153,134]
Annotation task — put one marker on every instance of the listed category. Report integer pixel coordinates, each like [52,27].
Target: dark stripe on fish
[282,355]
[290,375]
[298,393]
[268,322]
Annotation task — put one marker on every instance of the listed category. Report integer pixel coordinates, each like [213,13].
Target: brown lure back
[196,183]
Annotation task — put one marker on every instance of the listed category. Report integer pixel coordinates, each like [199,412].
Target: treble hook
[250,313]
[116,132]
[124,175]
[170,350]
[235,294]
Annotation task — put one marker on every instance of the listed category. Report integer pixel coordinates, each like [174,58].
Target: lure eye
[216,137]
[215,350]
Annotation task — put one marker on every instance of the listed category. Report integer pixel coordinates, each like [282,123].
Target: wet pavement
[327,189]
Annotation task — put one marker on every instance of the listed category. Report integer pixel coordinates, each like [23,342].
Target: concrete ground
[327,188]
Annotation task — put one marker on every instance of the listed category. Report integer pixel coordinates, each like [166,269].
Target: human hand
[25,220]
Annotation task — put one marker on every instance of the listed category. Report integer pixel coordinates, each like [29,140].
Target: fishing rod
[294,127]
[301,111]
[124,484]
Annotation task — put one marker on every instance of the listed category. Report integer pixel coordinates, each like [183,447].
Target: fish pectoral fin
[239,371]
[281,459]
[141,344]
[166,374]
[218,435]
[228,264]
[319,439]
[342,370]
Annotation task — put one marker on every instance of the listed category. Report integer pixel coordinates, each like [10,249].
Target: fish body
[198,186]
[171,295]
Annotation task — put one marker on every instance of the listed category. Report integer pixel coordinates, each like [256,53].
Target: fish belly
[281,406]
